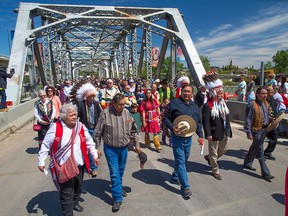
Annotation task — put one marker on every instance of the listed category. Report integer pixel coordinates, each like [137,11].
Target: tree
[268,66]
[206,63]
[280,60]
[166,68]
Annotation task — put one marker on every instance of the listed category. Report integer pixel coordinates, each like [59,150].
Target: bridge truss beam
[100,37]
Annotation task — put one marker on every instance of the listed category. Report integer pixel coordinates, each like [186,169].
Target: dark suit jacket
[199,98]
[215,127]
[83,115]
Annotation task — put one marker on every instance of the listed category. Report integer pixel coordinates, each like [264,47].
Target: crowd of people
[78,118]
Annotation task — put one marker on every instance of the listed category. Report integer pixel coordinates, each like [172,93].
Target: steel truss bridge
[113,41]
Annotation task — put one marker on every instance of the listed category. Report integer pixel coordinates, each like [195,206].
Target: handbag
[36,127]
[66,171]
[69,169]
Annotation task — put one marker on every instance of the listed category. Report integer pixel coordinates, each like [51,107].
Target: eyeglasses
[49,90]
[110,83]
[42,96]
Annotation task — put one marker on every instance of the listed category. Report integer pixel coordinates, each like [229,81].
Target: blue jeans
[3,99]
[181,151]
[93,166]
[116,160]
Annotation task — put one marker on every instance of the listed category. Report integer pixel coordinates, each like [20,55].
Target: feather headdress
[181,80]
[81,91]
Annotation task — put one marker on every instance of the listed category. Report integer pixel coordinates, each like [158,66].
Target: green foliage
[268,66]
[206,63]
[166,68]
[280,60]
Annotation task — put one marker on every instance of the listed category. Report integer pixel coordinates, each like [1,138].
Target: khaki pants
[216,150]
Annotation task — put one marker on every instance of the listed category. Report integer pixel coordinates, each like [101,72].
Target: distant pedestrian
[3,86]
[108,93]
[241,89]
[44,114]
[201,96]
[166,132]
[51,95]
[250,94]
[150,110]
[136,116]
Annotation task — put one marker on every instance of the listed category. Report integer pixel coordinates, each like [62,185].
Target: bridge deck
[27,191]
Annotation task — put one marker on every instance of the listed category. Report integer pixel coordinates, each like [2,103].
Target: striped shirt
[116,129]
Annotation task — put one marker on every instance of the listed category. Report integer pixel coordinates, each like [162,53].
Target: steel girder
[96,35]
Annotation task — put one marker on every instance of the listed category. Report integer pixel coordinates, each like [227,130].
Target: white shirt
[109,93]
[49,139]
[67,90]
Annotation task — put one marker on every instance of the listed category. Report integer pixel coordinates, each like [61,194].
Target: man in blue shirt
[181,145]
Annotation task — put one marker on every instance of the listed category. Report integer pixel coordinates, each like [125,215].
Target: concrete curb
[16,118]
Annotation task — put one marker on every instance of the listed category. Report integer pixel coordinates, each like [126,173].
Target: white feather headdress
[182,80]
[84,91]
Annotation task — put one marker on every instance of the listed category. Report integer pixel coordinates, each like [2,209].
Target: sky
[244,31]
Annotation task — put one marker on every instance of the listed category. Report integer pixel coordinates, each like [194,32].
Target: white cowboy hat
[273,124]
[186,125]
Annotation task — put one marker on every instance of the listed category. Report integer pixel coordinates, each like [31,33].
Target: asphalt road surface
[27,191]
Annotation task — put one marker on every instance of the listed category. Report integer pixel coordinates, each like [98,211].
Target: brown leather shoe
[217,176]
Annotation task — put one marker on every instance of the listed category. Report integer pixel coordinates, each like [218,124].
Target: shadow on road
[279,198]
[191,166]
[48,202]
[32,150]
[239,153]
[99,188]
[155,177]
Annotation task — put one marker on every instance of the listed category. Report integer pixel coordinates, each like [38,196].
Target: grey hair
[66,108]
[109,80]
[42,92]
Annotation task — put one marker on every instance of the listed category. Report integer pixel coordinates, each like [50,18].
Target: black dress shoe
[269,157]
[268,178]
[78,208]
[249,167]
[116,206]
[124,193]
[174,181]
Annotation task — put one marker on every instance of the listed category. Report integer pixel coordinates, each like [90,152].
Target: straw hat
[186,125]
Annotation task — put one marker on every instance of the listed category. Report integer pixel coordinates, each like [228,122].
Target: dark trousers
[272,137]
[3,99]
[257,150]
[70,192]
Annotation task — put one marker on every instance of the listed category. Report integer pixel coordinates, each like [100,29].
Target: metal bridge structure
[57,41]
